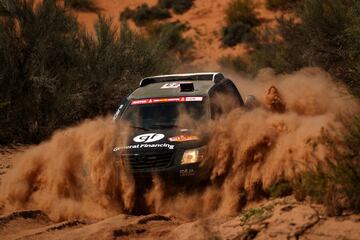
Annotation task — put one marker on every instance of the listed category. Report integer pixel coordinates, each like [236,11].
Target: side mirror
[251,102]
[120,109]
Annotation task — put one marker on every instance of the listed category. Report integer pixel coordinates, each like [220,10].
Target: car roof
[158,90]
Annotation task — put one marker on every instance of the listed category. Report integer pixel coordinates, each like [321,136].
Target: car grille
[144,161]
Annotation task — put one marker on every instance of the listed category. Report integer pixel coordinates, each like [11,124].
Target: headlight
[193,155]
[183,138]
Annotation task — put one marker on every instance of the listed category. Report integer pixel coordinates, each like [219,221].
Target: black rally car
[158,144]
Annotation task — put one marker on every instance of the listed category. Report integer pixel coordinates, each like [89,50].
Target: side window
[232,90]
[216,101]
[224,98]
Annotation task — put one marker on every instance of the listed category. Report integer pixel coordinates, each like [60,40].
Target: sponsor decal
[144,145]
[183,138]
[136,102]
[148,137]
[194,99]
[165,100]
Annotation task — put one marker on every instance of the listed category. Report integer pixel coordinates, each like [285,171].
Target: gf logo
[148,137]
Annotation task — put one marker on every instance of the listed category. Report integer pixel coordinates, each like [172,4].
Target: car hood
[161,140]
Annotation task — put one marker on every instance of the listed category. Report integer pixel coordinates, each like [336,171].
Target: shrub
[322,33]
[241,11]
[345,171]
[280,4]
[280,189]
[128,13]
[240,20]
[145,14]
[235,63]
[82,5]
[179,6]
[253,214]
[237,33]
[337,184]
[53,74]
[171,35]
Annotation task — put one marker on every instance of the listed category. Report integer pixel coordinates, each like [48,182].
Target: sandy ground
[205,20]
[283,218]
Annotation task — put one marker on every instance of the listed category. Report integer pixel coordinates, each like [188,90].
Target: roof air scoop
[187,87]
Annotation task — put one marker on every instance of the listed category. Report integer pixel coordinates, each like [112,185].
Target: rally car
[158,143]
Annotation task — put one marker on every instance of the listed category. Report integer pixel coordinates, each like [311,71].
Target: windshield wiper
[140,127]
[165,125]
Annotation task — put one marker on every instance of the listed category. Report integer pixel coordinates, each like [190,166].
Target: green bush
[237,33]
[280,4]
[82,5]
[145,14]
[241,11]
[235,63]
[128,13]
[323,33]
[240,20]
[253,215]
[280,189]
[179,6]
[53,74]
[337,183]
[313,184]
[345,172]
[171,34]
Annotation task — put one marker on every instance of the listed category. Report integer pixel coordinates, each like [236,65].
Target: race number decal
[170,85]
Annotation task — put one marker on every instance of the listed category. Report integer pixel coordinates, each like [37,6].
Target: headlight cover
[193,155]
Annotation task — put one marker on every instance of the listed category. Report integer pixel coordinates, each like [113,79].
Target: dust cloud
[72,175]
[250,150]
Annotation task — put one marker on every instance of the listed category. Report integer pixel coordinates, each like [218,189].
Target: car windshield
[162,115]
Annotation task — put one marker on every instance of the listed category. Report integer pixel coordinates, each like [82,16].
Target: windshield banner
[165,100]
